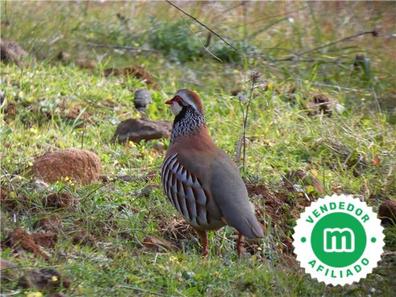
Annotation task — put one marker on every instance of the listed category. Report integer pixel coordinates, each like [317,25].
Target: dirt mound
[45,239]
[20,239]
[277,210]
[273,202]
[137,130]
[81,166]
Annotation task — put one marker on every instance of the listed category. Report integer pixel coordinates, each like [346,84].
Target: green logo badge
[338,240]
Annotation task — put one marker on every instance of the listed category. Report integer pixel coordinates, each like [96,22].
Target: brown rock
[140,129]
[47,279]
[60,200]
[11,52]
[82,166]
[387,212]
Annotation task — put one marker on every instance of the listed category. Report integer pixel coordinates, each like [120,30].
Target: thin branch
[232,7]
[295,57]
[202,24]
[372,32]
[267,17]
[127,48]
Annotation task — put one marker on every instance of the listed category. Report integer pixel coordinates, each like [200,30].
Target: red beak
[170,101]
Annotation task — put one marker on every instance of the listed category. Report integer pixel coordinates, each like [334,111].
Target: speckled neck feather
[188,121]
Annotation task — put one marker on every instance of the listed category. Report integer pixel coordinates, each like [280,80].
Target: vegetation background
[318,79]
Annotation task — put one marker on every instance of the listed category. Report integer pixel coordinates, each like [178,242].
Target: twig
[128,48]
[267,17]
[245,122]
[295,57]
[372,32]
[232,7]
[202,24]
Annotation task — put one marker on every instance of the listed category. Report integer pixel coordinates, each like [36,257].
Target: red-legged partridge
[200,180]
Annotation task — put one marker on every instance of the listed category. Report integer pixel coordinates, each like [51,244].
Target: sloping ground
[120,237]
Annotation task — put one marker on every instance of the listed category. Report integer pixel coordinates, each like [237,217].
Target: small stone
[387,212]
[142,99]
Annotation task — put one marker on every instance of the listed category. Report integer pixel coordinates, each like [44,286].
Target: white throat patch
[175,108]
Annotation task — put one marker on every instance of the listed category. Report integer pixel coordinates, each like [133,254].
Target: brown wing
[184,191]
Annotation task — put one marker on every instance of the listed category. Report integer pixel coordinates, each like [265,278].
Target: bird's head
[183,99]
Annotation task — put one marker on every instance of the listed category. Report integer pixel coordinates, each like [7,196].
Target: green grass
[282,138]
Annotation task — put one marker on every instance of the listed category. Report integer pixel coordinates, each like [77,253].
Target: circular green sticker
[338,239]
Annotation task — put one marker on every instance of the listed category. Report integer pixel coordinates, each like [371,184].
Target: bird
[200,180]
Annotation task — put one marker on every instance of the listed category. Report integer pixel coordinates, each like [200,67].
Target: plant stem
[245,125]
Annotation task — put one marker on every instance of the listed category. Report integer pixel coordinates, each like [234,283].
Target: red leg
[203,235]
[240,247]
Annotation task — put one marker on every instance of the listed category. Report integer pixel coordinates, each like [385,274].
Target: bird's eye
[178,99]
